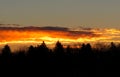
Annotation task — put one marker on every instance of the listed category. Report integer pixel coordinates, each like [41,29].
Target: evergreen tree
[59,50]
[6,51]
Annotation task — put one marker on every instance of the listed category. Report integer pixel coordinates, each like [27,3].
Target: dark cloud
[9,25]
[68,32]
[15,26]
[35,28]
[55,28]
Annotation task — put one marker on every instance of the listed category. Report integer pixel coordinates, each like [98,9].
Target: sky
[21,37]
[69,21]
[65,13]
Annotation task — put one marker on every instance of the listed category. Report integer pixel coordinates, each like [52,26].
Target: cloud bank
[52,34]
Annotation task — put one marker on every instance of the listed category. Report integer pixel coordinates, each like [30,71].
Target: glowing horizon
[52,34]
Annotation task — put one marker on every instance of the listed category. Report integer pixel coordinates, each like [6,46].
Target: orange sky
[26,35]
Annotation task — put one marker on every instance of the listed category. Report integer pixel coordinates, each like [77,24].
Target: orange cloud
[52,34]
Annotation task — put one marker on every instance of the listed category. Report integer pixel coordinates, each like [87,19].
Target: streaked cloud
[52,34]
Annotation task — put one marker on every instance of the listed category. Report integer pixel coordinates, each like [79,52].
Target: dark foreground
[68,62]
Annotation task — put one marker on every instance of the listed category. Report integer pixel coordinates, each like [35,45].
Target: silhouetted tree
[6,51]
[59,50]
[44,48]
[83,47]
[68,50]
[6,55]
[112,50]
[113,47]
[31,50]
[88,47]
[44,51]
[86,50]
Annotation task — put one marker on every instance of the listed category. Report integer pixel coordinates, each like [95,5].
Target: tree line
[84,58]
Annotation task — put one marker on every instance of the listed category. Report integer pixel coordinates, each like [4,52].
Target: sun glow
[26,36]
[50,36]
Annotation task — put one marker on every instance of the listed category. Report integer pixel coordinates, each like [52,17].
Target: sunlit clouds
[52,34]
